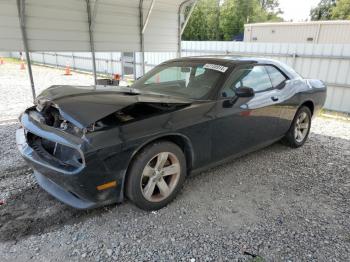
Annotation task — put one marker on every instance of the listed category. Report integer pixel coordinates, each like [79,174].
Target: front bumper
[63,195]
[74,185]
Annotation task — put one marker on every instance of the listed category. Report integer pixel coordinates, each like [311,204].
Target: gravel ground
[276,204]
[15,87]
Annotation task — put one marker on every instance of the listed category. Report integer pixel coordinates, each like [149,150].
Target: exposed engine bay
[137,111]
[68,157]
[88,108]
[51,116]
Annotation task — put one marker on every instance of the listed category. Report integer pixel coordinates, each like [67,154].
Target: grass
[335,115]
[257,259]
[11,60]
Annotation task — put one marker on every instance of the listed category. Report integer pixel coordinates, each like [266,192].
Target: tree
[236,13]
[204,21]
[341,10]
[223,19]
[269,5]
[323,11]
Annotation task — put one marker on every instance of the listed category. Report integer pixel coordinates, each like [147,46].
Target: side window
[277,78]
[199,71]
[255,77]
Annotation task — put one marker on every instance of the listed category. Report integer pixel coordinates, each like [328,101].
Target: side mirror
[240,92]
[244,92]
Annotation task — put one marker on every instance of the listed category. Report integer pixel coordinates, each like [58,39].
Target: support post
[181,27]
[317,33]
[188,18]
[143,26]
[142,38]
[73,61]
[148,16]
[294,58]
[111,57]
[91,37]
[56,58]
[21,12]
[134,65]
[122,64]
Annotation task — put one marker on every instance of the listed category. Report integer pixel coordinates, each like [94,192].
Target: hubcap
[160,176]
[301,127]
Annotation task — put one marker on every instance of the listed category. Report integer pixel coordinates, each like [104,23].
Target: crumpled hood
[84,105]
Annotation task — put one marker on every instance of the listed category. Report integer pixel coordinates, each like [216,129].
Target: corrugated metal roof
[63,25]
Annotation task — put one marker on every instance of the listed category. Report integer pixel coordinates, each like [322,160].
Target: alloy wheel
[160,177]
[301,127]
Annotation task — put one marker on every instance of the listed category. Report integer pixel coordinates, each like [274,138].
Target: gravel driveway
[276,204]
[15,87]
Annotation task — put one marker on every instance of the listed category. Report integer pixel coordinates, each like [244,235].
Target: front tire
[300,128]
[156,175]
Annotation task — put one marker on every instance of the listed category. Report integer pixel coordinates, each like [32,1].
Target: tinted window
[254,77]
[276,76]
[186,79]
[170,74]
[200,71]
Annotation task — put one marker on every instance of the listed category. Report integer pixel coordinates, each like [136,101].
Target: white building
[316,32]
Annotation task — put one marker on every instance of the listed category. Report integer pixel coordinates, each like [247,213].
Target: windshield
[184,79]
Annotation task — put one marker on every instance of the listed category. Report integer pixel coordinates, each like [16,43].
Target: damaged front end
[57,153]
[63,139]
[58,142]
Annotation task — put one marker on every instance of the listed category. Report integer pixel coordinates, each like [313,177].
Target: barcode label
[219,68]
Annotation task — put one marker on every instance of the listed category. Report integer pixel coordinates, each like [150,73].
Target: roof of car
[234,60]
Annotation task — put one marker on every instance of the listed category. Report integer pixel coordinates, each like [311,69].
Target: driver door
[245,123]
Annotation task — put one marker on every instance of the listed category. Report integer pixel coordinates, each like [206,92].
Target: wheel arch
[178,139]
[309,104]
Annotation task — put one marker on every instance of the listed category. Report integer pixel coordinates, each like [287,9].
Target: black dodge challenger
[91,146]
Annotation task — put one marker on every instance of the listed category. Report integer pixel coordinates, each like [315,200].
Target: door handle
[274,98]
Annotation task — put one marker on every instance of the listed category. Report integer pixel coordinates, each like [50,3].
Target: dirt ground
[277,204]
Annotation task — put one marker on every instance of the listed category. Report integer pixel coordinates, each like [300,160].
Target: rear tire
[300,128]
[156,175]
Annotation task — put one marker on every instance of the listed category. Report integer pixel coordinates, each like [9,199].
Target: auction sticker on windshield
[219,68]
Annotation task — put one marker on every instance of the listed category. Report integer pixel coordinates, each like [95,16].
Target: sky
[297,10]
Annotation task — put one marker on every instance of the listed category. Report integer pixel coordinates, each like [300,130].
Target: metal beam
[91,37]
[187,18]
[317,34]
[180,31]
[142,38]
[21,12]
[94,14]
[148,16]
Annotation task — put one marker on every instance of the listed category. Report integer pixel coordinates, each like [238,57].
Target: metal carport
[92,26]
